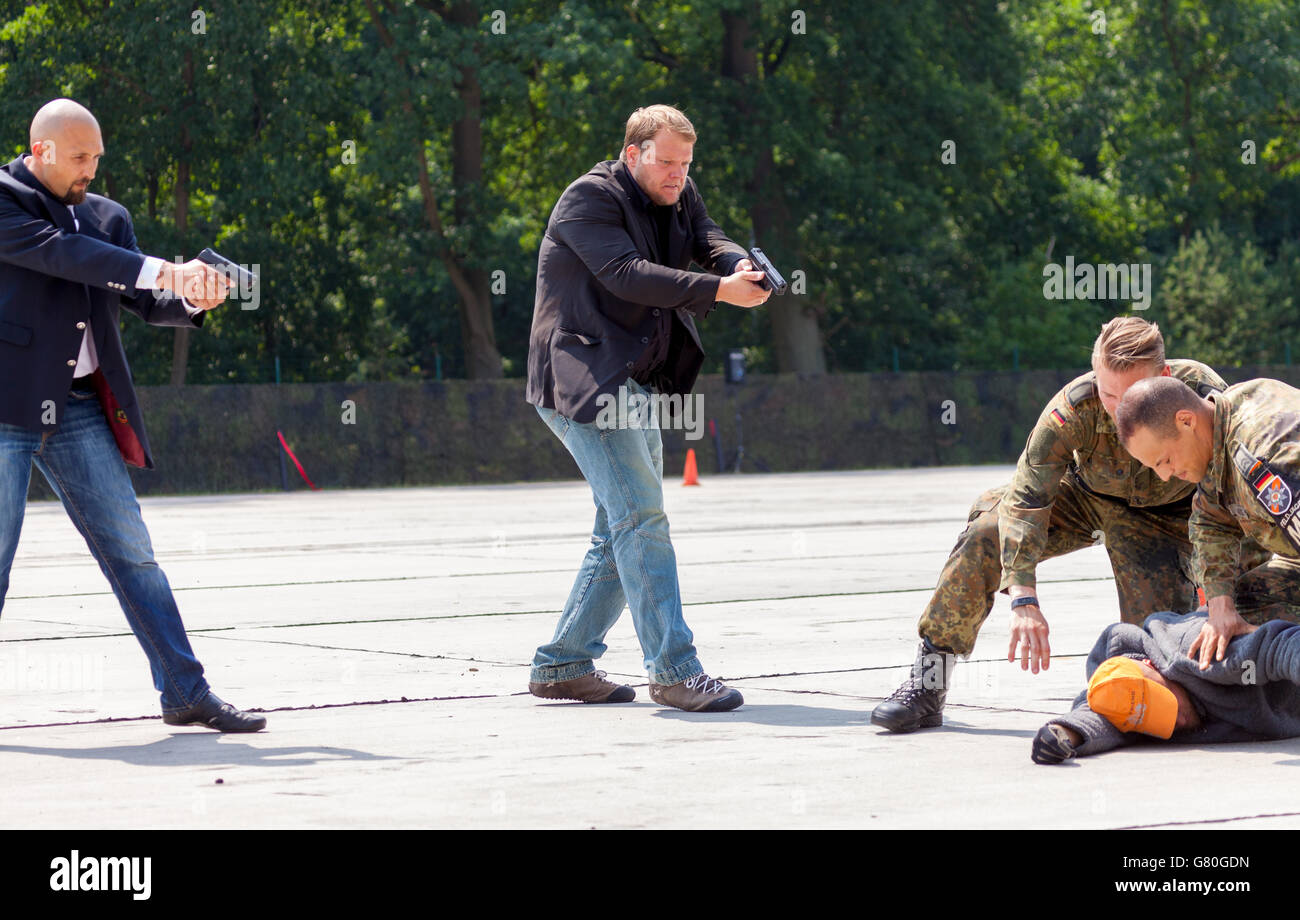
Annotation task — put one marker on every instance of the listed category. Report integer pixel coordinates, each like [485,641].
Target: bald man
[1242,449]
[68,264]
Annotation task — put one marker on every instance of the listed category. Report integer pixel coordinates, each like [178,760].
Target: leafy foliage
[294,134]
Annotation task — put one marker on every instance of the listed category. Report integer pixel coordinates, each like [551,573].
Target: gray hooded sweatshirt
[1252,695]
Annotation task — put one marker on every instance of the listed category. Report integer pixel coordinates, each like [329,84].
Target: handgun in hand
[771,277]
[233,270]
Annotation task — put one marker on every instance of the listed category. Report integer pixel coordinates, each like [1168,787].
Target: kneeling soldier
[1073,484]
[1242,448]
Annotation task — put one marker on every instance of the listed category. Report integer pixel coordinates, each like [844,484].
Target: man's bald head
[1154,403]
[1167,427]
[66,147]
[57,116]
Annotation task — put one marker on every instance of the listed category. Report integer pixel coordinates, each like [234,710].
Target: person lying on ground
[1142,686]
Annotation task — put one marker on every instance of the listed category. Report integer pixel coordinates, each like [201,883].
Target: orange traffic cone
[692,476]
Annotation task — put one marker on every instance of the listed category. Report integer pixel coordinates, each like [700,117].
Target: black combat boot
[918,703]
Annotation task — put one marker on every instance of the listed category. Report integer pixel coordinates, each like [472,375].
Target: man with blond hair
[1241,449]
[614,320]
[1074,486]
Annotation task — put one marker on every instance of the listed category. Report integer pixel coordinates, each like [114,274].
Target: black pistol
[232,270]
[772,278]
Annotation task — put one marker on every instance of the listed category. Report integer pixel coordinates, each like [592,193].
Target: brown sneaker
[700,693]
[589,688]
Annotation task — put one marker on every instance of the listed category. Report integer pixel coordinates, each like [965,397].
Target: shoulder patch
[1246,463]
[1272,491]
[1081,391]
[1276,496]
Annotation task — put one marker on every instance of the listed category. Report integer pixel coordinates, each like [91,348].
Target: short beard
[74,195]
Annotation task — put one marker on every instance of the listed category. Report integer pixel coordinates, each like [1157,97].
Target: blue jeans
[631,559]
[82,464]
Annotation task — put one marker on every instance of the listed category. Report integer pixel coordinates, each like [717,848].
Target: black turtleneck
[648,369]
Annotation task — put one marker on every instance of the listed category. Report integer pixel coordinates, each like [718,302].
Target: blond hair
[649,120]
[1127,342]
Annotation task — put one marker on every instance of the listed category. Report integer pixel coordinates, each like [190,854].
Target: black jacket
[53,280]
[602,284]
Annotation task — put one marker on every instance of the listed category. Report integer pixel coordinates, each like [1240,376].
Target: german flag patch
[1272,492]
[1058,416]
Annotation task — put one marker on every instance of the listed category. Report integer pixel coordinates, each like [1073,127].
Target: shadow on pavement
[774,715]
[1259,748]
[186,749]
[958,728]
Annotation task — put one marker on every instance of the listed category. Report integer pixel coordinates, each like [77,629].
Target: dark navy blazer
[55,279]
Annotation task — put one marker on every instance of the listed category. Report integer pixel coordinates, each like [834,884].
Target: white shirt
[87,359]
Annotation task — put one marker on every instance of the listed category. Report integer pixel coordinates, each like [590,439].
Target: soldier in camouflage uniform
[1242,447]
[1075,486]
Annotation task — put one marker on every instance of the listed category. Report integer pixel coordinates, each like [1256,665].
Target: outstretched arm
[590,222]
[175,295]
[1024,514]
[1217,537]
[35,243]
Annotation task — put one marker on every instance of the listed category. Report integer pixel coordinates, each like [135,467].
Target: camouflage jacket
[1075,432]
[1249,486]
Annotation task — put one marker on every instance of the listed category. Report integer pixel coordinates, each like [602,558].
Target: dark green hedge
[223,438]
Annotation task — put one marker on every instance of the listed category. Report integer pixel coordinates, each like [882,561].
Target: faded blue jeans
[631,559]
[81,462]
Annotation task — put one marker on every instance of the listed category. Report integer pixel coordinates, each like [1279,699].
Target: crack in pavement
[500,696]
[457,616]
[399,701]
[381,579]
[212,633]
[1139,827]
[373,651]
[490,540]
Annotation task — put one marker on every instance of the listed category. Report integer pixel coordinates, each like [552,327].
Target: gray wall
[222,438]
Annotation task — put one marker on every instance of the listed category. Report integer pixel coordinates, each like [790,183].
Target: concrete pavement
[387,633]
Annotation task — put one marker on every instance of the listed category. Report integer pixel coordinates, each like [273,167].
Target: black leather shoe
[918,703]
[213,712]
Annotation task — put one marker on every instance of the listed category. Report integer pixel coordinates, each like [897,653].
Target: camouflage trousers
[1270,591]
[1150,555]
